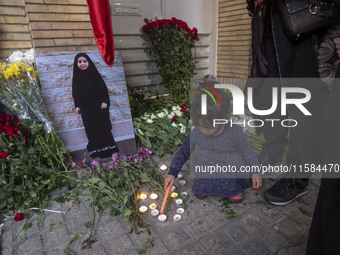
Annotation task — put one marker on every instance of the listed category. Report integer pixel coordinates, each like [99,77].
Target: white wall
[128,18]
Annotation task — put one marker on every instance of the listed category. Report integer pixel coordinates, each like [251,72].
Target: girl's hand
[103,106]
[256,181]
[169,180]
[78,110]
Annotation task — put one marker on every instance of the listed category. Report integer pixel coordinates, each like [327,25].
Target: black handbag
[301,17]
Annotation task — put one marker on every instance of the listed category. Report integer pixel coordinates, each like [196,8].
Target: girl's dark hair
[214,111]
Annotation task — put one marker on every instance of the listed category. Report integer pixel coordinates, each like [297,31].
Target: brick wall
[46,25]
[234,38]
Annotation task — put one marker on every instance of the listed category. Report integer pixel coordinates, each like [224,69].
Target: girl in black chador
[91,100]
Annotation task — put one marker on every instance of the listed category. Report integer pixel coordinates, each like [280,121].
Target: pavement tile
[198,227]
[217,243]
[8,250]
[30,245]
[6,236]
[120,245]
[174,238]
[110,229]
[191,249]
[57,236]
[274,238]
[235,231]
[289,227]
[257,247]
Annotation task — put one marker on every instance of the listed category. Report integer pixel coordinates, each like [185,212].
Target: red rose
[8,118]
[10,132]
[26,133]
[19,216]
[174,118]
[3,154]
[17,121]
[184,106]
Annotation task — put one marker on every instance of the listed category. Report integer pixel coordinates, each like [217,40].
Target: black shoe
[286,191]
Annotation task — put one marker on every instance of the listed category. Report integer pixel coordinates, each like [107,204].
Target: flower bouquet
[163,131]
[20,91]
[173,40]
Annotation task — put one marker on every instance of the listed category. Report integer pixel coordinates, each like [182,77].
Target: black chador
[91,99]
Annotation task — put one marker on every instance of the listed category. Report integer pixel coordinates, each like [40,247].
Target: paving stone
[253,222]
[6,250]
[198,227]
[296,213]
[256,247]
[191,249]
[289,227]
[157,249]
[110,229]
[31,244]
[202,205]
[120,245]
[96,248]
[6,236]
[269,215]
[175,238]
[274,238]
[217,243]
[235,231]
[58,235]
[216,218]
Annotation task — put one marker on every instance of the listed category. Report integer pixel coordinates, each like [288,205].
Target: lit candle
[153,196]
[153,206]
[179,176]
[143,196]
[184,194]
[162,217]
[180,210]
[179,202]
[143,209]
[163,167]
[154,212]
[173,187]
[174,194]
[182,182]
[177,217]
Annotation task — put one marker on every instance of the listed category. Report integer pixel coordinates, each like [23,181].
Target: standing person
[223,145]
[91,100]
[324,234]
[275,55]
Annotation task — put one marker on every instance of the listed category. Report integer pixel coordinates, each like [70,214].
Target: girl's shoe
[236,199]
[200,197]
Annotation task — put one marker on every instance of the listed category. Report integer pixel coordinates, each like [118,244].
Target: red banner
[100,16]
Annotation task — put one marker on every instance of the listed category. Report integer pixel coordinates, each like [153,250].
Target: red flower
[17,121]
[19,216]
[10,132]
[184,106]
[174,118]
[26,133]
[3,154]
[8,118]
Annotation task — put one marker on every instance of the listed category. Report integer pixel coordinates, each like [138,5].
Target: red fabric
[100,16]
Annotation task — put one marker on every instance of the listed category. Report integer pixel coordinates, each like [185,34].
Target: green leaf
[55,225]
[27,226]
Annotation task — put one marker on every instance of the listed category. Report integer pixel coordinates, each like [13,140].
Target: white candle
[143,209]
[179,176]
[173,187]
[143,196]
[153,206]
[179,202]
[182,182]
[153,196]
[162,217]
[177,217]
[174,194]
[184,194]
[180,210]
[154,212]
[163,167]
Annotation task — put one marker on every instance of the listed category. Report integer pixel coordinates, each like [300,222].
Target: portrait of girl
[92,102]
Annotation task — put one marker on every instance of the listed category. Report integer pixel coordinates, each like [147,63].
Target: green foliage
[160,132]
[226,208]
[172,47]
[146,245]
[33,166]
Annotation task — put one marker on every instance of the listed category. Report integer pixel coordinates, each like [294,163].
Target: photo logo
[238,99]
[204,98]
